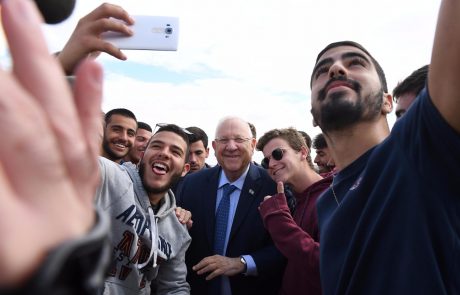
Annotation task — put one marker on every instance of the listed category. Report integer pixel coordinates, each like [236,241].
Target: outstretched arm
[445,64]
[86,40]
[48,164]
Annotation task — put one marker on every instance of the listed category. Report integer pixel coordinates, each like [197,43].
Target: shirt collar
[223,180]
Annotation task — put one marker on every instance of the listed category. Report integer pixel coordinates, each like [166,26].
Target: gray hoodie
[134,226]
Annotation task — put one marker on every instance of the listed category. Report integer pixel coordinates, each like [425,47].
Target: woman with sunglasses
[296,235]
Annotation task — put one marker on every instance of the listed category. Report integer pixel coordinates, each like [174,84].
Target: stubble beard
[157,190]
[112,156]
[339,113]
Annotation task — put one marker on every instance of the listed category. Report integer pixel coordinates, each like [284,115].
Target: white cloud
[262,51]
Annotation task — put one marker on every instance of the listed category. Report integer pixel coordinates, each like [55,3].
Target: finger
[208,268]
[267,197]
[109,10]
[180,213]
[40,74]
[204,262]
[26,151]
[217,272]
[189,224]
[107,47]
[280,187]
[107,24]
[88,99]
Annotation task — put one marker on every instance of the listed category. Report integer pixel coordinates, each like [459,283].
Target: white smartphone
[150,33]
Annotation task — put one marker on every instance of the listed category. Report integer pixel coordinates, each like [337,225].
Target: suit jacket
[247,237]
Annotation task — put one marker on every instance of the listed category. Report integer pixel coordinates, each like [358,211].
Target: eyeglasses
[277,154]
[225,140]
[163,125]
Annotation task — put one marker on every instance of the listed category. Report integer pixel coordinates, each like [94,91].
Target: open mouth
[160,168]
[120,146]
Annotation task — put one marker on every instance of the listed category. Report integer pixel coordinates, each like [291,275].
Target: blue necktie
[220,230]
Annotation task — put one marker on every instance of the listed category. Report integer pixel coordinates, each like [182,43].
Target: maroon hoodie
[297,238]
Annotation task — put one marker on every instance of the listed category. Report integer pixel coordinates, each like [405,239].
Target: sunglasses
[277,154]
[159,126]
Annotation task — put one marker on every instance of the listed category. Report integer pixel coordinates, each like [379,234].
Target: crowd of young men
[386,223]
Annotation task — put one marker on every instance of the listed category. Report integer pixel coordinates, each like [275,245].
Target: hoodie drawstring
[154,237]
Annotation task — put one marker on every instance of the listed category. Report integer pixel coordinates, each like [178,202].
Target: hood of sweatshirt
[167,204]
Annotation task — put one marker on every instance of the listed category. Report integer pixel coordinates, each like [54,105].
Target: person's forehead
[233,127]
[339,52]
[197,145]
[276,142]
[143,132]
[119,119]
[169,138]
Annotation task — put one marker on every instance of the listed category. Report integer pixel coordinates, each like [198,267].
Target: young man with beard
[389,224]
[143,134]
[323,157]
[296,235]
[149,242]
[119,133]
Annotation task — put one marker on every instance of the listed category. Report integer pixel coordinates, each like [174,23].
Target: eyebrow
[346,55]
[172,146]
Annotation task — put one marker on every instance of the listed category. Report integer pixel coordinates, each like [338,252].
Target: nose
[337,69]
[316,160]
[124,136]
[232,145]
[191,158]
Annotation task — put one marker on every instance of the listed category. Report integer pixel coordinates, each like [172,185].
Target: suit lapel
[248,196]
[210,196]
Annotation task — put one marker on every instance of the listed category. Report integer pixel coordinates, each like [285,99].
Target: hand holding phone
[149,33]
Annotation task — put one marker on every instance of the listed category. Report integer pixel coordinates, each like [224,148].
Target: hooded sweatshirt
[148,244]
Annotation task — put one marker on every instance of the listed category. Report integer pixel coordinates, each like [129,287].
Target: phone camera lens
[168,31]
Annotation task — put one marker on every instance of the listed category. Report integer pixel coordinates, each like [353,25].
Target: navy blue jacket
[248,235]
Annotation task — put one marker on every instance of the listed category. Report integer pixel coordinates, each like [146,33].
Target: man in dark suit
[248,263]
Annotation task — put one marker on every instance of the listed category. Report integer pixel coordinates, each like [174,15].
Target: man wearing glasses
[231,252]
[296,235]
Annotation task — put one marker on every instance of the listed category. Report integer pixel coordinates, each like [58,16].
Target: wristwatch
[243,261]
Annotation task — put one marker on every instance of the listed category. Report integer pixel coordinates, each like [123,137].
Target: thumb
[280,187]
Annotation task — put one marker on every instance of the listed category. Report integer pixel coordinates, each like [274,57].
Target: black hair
[414,83]
[120,111]
[319,142]
[145,126]
[197,135]
[179,131]
[378,68]
[306,137]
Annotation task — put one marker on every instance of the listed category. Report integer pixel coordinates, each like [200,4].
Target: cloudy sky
[252,58]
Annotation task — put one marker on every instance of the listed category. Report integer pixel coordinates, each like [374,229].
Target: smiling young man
[119,134]
[296,235]
[390,222]
[149,242]
[143,134]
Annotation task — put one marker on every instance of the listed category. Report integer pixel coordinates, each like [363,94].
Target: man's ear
[305,151]
[387,105]
[186,169]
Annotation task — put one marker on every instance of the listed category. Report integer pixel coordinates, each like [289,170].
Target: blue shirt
[234,198]
[396,227]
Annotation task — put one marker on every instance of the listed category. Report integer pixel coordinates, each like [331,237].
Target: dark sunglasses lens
[264,163]
[277,154]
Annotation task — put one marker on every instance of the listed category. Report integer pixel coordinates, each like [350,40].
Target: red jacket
[297,238]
